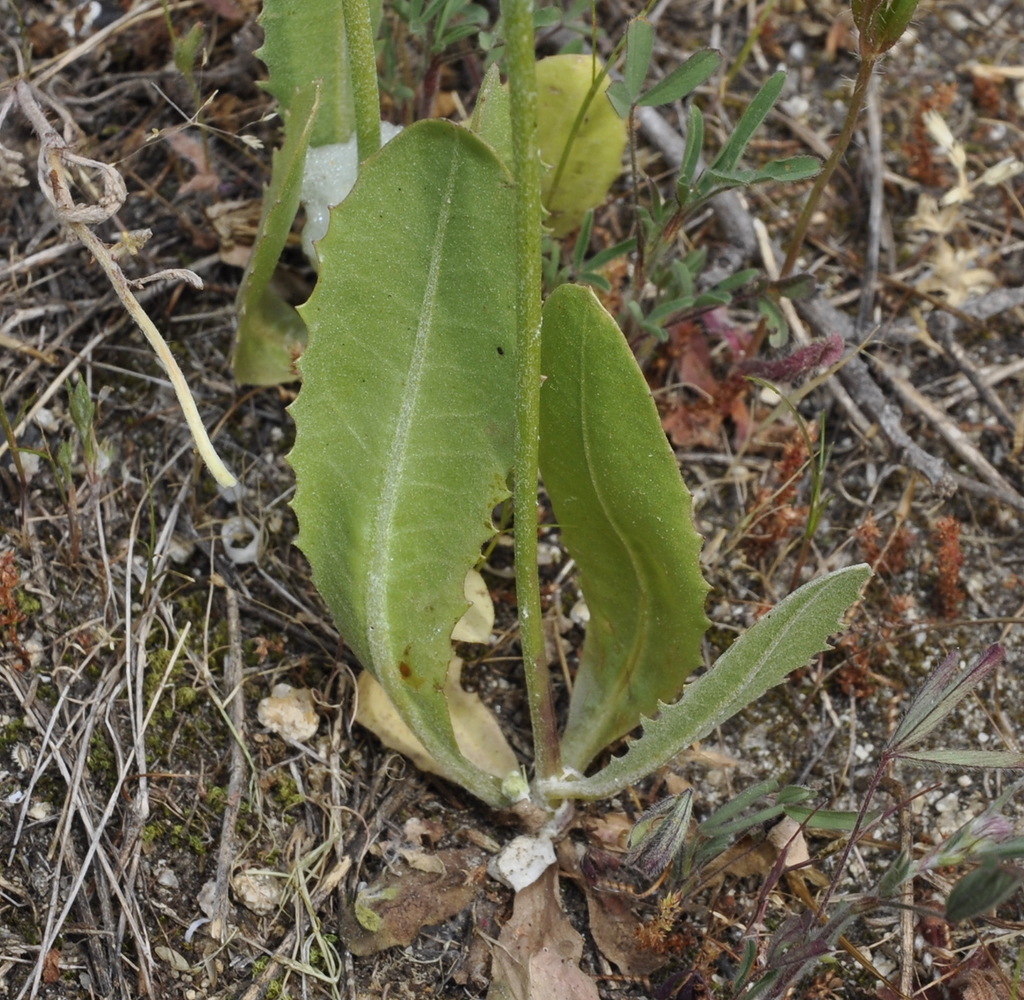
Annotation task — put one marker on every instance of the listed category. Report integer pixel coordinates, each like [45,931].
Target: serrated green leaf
[625,518]
[783,640]
[404,422]
[270,332]
[683,79]
[304,42]
[982,890]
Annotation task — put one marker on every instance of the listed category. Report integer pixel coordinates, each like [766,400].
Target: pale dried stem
[54,154]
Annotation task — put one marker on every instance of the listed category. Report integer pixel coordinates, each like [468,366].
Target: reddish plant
[949,560]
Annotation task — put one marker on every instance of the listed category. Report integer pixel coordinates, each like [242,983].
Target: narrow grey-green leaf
[828,819]
[944,689]
[982,890]
[749,123]
[639,47]
[683,79]
[270,332]
[691,156]
[625,517]
[783,640]
[619,97]
[793,168]
[404,422]
[965,758]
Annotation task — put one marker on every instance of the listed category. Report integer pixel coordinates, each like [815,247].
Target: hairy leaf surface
[626,519]
[783,640]
[404,422]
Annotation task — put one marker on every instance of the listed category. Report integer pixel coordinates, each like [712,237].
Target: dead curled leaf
[410,898]
[537,955]
[476,729]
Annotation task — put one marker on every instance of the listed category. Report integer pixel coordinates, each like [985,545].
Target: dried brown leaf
[405,901]
[537,955]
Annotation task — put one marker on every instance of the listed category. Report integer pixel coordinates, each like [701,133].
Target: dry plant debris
[159,840]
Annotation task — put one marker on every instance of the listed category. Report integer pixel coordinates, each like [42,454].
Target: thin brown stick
[952,434]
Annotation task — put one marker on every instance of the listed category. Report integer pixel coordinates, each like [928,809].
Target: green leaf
[793,168]
[609,254]
[944,689]
[982,890]
[270,332]
[404,422]
[304,42]
[775,319]
[271,338]
[582,244]
[795,287]
[738,280]
[724,814]
[625,518]
[827,819]
[882,22]
[490,118]
[683,79]
[966,758]
[619,97]
[639,47]
[691,155]
[749,123]
[595,157]
[186,50]
[783,640]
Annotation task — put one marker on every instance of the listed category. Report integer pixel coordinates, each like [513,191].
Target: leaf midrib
[383,535]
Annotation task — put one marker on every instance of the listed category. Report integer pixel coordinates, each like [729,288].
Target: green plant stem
[362,60]
[857,99]
[522,78]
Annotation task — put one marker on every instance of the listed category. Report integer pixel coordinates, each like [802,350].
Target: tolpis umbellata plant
[437,386]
